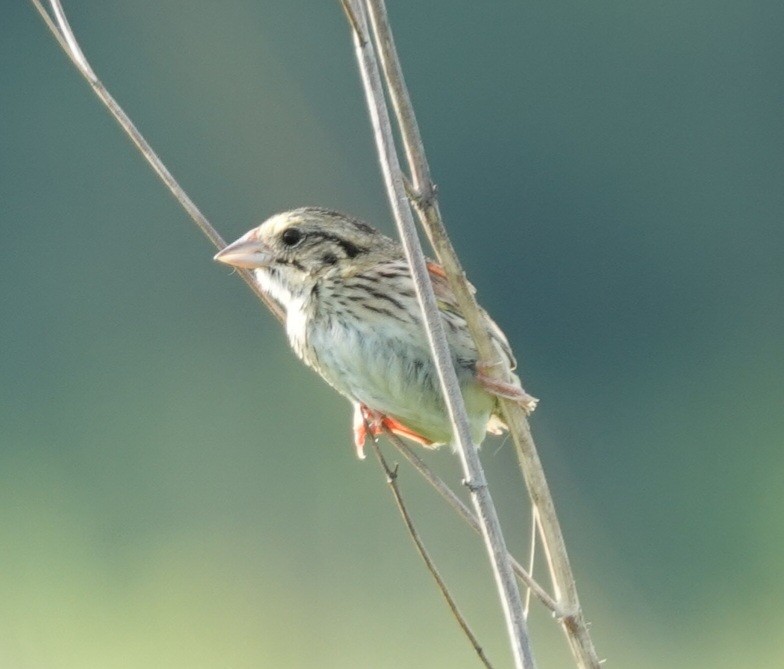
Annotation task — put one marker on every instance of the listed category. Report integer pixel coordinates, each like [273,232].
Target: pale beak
[247,252]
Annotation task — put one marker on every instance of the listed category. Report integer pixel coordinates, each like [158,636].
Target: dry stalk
[508,592]
[426,204]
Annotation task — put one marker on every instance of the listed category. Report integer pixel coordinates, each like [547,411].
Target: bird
[351,314]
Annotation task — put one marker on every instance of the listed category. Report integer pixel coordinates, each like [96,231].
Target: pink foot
[509,391]
[368,421]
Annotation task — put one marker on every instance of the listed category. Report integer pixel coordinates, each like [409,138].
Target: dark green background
[176,490]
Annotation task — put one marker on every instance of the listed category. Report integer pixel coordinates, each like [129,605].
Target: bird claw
[509,391]
[360,434]
[367,421]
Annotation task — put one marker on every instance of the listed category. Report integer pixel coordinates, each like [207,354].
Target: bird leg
[369,421]
[403,431]
[505,389]
[365,421]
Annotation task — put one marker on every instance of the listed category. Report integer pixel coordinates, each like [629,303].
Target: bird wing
[447,303]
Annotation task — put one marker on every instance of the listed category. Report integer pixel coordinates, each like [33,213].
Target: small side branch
[449,496]
[431,567]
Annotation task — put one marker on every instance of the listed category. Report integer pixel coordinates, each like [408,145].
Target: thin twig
[426,204]
[353,22]
[431,567]
[531,554]
[67,40]
[495,544]
[438,484]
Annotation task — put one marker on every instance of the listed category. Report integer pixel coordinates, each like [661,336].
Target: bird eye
[291,236]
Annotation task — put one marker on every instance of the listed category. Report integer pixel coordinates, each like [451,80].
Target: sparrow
[352,315]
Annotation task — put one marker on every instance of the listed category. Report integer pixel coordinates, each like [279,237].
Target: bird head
[292,251]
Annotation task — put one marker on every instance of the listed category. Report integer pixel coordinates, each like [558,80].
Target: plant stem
[426,204]
[495,544]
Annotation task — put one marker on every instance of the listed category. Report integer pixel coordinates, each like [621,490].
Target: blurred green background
[176,490]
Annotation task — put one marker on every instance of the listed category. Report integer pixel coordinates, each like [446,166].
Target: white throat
[293,298]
